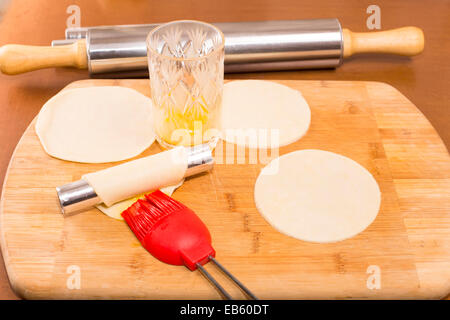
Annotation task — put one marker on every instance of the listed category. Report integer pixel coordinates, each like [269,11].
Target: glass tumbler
[186,61]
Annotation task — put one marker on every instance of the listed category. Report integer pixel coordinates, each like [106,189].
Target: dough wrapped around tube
[135,177]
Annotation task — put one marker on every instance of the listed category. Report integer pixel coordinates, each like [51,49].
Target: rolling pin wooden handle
[406,41]
[15,58]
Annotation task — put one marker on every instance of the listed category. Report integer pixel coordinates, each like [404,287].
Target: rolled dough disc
[116,209]
[317,196]
[96,124]
[253,108]
[126,180]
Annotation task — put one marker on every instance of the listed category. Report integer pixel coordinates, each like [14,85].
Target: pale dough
[317,196]
[116,209]
[251,109]
[96,124]
[135,177]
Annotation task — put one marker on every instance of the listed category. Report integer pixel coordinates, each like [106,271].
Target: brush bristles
[163,202]
[142,215]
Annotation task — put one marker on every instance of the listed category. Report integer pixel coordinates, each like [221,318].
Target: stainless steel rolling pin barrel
[249,46]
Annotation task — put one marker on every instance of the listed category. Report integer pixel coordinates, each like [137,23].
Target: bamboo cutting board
[407,247]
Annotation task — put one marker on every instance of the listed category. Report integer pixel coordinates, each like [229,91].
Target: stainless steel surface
[119,51]
[81,32]
[269,45]
[200,159]
[235,280]
[229,275]
[77,33]
[214,282]
[77,196]
[62,42]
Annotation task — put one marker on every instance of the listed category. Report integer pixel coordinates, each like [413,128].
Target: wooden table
[424,79]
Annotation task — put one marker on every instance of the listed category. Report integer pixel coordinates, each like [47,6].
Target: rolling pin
[120,51]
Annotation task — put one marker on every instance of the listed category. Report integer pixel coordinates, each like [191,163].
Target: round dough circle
[96,124]
[317,196]
[251,105]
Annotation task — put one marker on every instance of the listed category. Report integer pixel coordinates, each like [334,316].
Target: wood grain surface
[424,79]
[369,122]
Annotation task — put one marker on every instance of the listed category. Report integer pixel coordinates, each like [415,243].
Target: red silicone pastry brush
[174,234]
